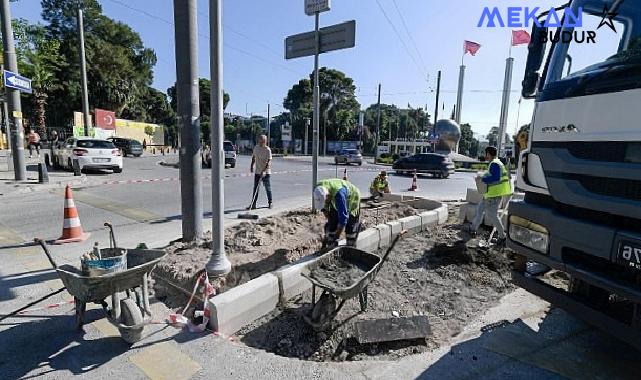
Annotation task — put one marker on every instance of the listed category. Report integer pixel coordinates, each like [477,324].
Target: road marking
[136,214]
[106,328]
[165,361]
[9,236]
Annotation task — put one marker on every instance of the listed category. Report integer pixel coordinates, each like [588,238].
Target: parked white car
[91,154]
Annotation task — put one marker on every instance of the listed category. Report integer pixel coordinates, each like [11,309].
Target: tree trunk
[40,101]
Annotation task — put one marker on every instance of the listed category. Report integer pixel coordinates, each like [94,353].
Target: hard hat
[319,196]
[384,173]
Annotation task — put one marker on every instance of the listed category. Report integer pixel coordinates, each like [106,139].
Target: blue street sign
[17,81]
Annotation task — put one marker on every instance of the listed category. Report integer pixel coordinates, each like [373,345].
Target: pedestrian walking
[34,142]
[499,185]
[262,159]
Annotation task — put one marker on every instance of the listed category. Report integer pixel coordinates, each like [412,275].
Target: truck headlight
[529,234]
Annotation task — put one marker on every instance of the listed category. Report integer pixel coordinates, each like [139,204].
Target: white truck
[581,172]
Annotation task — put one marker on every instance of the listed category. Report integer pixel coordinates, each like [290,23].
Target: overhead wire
[418,52]
[400,38]
[227,45]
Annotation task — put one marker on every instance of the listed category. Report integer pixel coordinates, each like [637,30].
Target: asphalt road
[148,193]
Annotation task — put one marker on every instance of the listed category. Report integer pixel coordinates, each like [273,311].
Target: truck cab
[581,171]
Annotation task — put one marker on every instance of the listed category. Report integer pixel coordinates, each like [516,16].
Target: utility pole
[378,123]
[459,96]
[438,93]
[15,131]
[306,123]
[83,73]
[316,106]
[186,34]
[505,104]
[269,129]
[218,265]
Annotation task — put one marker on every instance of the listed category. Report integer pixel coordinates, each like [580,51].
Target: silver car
[349,156]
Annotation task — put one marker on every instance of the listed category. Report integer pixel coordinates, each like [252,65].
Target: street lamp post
[218,264]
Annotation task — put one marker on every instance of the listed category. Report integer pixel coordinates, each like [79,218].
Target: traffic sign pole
[83,74]
[15,129]
[316,108]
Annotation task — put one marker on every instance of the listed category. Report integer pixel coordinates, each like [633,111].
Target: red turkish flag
[520,37]
[105,119]
[471,47]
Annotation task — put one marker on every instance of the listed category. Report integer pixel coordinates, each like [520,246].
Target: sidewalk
[57,179]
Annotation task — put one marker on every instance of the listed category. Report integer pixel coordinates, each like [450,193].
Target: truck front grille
[612,187]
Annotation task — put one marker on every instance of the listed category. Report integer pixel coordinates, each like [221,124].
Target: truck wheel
[117,170]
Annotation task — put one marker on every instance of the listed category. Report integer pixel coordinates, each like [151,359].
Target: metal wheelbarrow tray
[130,314]
[320,274]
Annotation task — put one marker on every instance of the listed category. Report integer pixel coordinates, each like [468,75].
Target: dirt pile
[255,248]
[439,273]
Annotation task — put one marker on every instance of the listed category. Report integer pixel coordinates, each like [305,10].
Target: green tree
[338,106]
[38,59]
[468,145]
[119,66]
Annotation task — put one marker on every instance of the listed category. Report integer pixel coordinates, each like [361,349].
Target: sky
[401,44]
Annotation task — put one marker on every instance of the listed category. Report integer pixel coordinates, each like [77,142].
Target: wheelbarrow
[335,293]
[129,314]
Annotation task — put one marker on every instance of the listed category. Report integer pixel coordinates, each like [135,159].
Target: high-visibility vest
[379,184]
[501,188]
[333,186]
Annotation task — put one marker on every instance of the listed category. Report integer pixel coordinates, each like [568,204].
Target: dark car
[436,164]
[127,146]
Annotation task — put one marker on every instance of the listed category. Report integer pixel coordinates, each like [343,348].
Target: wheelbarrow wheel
[81,307]
[130,316]
[323,311]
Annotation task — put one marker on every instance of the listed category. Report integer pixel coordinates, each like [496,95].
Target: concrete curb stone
[240,306]
[411,224]
[384,235]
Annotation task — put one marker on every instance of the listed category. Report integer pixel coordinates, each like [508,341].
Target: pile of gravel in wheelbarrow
[437,274]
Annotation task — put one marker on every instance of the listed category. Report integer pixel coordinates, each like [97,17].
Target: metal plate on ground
[392,329]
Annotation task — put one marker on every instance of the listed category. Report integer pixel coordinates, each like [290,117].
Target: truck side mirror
[536,50]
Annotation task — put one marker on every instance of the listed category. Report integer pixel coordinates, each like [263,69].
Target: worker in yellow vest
[499,185]
[340,202]
[379,186]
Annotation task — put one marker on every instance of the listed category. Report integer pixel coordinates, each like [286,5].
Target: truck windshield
[611,57]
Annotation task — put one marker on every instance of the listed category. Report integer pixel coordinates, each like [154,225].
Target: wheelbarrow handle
[112,237]
[46,249]
[391,247]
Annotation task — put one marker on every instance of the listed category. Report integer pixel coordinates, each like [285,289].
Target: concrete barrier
[240,306]
[442,213]
[290,282]
[428,219]
[396,227]
[368,240]
[384,235]
[411,224]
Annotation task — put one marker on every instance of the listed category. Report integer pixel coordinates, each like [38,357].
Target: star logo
[608,18]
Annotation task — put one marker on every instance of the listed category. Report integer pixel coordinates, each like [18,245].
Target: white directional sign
[17,81]
[335,37]
[313,6]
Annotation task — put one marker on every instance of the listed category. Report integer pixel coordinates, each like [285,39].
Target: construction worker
[499,185]
[340,202]
[379,186]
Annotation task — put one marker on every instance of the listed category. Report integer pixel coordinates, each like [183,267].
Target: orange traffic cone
[414,186]
[71,228]
[345,175]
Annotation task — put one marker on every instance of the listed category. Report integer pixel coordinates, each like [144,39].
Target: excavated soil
[441,274]
[256,248]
